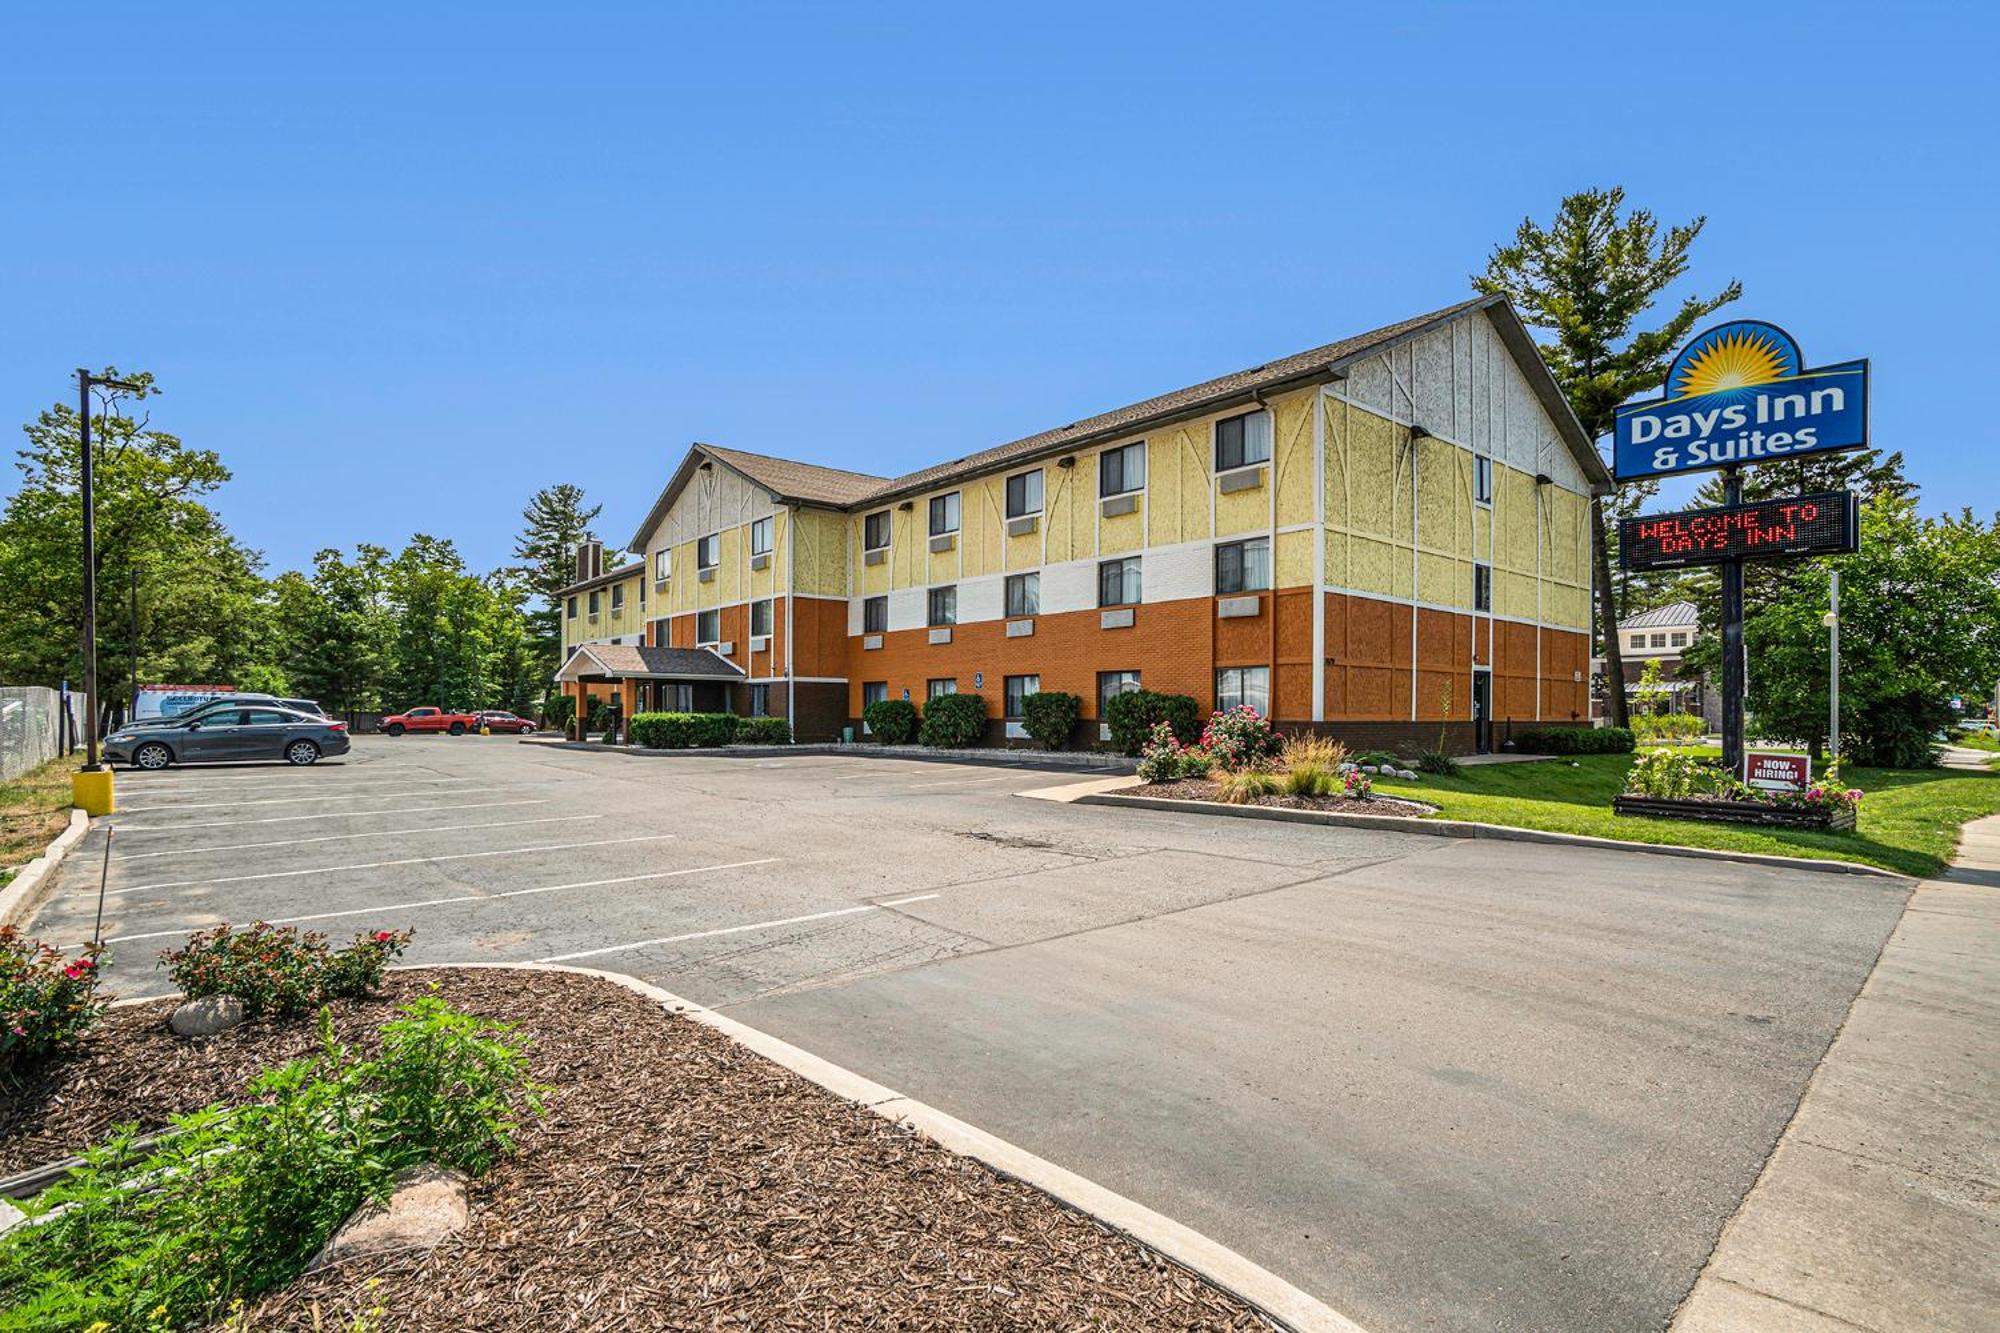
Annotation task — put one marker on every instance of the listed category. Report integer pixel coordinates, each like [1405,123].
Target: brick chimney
[589,560]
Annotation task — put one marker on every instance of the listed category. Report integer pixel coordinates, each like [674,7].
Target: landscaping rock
[426,1206]
[10,1217]
[1370,768]
[207,1016]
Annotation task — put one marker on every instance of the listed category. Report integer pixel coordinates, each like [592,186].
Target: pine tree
[1587,278]
[556,522]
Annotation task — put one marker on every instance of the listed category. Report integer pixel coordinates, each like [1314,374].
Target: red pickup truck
[430,719]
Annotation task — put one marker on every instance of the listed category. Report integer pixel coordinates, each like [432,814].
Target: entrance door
[1482,711]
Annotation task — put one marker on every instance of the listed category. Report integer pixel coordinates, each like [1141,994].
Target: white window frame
[1132,568]
[617,598]
[1041,492]
[1482,586]
[708,551]
[765,605]
[1124,453]
[663,565]
[1260,438]
[760,535]
[1007,689]
[930,605]
[1245,546]
[931,690]
[952,506]
[1031,582]
[888,529]
[870,603]
[1242,693]
[708,641]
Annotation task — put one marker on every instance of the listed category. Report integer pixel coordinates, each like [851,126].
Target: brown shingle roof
[800,481]
[1243,381]
[626,659]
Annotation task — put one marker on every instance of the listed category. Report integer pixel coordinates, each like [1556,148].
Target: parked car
[500,722]
[261,731]
[430,719]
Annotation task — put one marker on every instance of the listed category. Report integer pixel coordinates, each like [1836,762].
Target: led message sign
[1792,526]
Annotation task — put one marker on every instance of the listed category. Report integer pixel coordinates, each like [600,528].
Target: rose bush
[46,999]
[1240,738]
[276,969]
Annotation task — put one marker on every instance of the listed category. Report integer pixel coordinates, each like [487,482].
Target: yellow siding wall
[822,551]
[629,619]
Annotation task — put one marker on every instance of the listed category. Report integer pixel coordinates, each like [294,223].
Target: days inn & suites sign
[1741,394]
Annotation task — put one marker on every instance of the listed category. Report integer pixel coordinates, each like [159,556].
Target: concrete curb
[1281,1302]
[1461,828]
[24,893]
[1070,760]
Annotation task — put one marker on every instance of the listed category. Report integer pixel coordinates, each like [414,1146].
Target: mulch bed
[1201,789]
[677,1182]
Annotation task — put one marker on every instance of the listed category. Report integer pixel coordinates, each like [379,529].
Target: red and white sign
[1777,772]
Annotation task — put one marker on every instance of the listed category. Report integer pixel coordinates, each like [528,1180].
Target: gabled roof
[854,490]
[1673,613]
[625,661]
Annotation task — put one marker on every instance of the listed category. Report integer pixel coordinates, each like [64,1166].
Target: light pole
[1832,622]
[93,785]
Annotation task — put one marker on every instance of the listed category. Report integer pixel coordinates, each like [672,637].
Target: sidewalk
[1880,1209]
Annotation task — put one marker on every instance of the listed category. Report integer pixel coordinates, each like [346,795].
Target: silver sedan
[255,732]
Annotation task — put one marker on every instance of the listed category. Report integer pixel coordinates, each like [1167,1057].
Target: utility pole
[133,704]
[93,785]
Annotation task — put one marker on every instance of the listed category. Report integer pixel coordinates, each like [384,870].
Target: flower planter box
[1830,817]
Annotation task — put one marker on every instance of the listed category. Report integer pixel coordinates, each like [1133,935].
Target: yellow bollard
[92,792]
[485,729]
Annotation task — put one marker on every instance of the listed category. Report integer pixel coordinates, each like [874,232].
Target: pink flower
[1854,793]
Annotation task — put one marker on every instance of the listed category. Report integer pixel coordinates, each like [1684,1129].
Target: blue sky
[404,268]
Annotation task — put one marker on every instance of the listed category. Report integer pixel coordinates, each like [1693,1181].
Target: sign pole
[1732,640]
[1833,673]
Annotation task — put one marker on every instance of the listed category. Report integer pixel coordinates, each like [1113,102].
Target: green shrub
[1676,775]
[597,717]
[1050,716]
[891,721]
[1164,759]
[1376,758]
[46,1000]
[235,1201]
[1676,727]
[1133,715]
[1576,740]
[278,969]
[1438,764]
[558,711]
[682,731]
[763,731]
[954,721]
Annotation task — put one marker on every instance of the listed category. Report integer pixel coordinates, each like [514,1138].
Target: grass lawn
[1908,821]
[34,808]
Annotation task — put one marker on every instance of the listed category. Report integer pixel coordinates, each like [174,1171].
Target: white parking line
[343,814]
[378,865]
[339,837]
[441,902]
[291,800]
[733,930]
[139,778]
[964,782]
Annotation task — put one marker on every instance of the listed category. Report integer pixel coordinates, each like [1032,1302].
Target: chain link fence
[32,727]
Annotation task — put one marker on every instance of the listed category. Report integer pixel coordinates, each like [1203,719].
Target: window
[1017,689]
[704,552]
[1118,582]
[708,627]
[260,717]
[1122,469]
[938,688]
[618,598]
[1482,479]
[760,618]
[1024,594]
[1111,684]
[1241,441]
[760,701]
[760,539]
[1024,494]
[944,605]
[642,594]
[663,566]
[1659,640]
[875,532]
[944,514]
[1243,566]
[572,608]
[1482,587]
[1237,686]
[1638,641]
[1680,639]
[683,696]
[875,617]
[874,692]
[593,604]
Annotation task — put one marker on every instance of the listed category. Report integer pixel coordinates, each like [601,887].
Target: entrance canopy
[619,661]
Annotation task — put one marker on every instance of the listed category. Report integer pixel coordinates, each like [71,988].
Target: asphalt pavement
[1439,1084]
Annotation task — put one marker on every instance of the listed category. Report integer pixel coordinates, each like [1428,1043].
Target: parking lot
[1438,1084]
